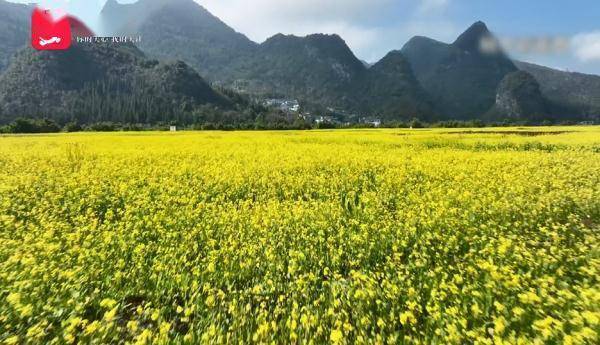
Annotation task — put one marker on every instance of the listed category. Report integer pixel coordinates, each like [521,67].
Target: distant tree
[475,124]
[22,125]
[133,127]
[301,123]
[47,126]
[325,125]
[416,123]
[102,127]
[72,127]
[208,127]
[395,124]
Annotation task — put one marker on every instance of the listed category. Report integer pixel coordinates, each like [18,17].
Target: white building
[376,123]
[286,105]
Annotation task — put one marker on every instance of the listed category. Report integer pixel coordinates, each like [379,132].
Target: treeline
[417,123]
[267,121]
[31,126]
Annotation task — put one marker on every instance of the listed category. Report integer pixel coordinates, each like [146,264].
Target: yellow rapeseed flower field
[487,236]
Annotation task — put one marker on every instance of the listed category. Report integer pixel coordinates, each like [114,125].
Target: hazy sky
[560,34]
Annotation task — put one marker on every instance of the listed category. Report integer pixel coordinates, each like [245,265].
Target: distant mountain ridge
[318,69]
[390,89]
[461,78]
[180,30]
[426,79]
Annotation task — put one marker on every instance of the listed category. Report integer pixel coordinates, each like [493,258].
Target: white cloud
[294,9]
[260,19]
[370,27]
[586,46]
[86,10]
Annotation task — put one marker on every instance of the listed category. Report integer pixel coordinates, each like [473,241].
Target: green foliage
[459,124]
[14,30]
[22,125]
[72,127]
[102,127]
[102,82]
[416,123]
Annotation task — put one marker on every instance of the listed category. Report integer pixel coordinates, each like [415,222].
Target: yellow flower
[407,318]
[165,327]
[144,337]
[476,310]
[26,310]
[499,326]
[545,326]
[188,337]
[110,315]
[132,326]
[108,303]
[263,329]
[92,328]
[36,331]
[529,297]
[210,301]
[499,306]
[12,340]
[336,336]
[14,298]
[304,321]
[69,338]
[592,318]
[517,311]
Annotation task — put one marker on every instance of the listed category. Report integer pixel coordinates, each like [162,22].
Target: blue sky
[374,27]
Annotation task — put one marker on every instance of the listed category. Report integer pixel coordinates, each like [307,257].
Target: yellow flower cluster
[343,237]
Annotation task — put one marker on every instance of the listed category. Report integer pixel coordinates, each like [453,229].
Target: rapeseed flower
[382,236]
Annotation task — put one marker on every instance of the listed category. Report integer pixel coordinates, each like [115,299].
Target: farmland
[486,236]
